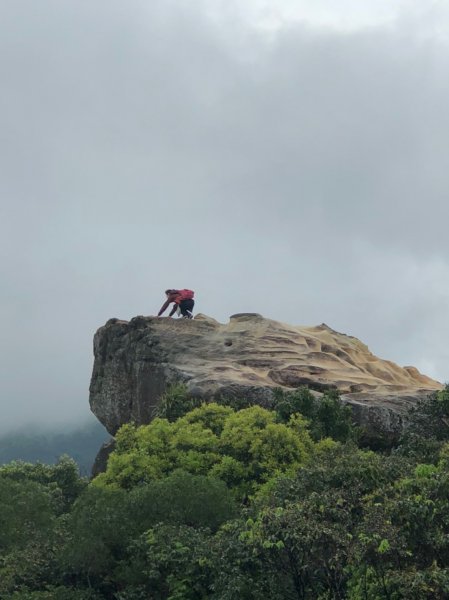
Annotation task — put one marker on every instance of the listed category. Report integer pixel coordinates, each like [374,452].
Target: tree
[426,427]
[62,480]
[305,546]
[55,593]
[28,522]
[430,417]
[25,512]
[245,449]
[327,415]
[182,499]
[98,530]
[167,562]
[402,548]
[175,403]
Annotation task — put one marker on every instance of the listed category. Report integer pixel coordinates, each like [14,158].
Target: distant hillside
[81,444]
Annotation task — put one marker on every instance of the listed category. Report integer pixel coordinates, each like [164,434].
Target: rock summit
[136,360]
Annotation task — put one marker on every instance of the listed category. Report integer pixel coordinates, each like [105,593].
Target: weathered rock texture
[250,356]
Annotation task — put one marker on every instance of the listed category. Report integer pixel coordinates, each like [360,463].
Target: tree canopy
[229,503]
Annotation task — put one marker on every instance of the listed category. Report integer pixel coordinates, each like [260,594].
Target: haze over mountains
[295,151]
[31,445]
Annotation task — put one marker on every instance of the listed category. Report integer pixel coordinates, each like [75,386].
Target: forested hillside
[237,502]
[81,443]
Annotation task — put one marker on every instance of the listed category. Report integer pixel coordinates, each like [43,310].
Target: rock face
[249,357]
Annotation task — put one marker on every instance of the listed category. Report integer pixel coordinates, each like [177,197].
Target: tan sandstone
[250,356]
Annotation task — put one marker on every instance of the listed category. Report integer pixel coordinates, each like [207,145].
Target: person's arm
[174,309]
[164,307]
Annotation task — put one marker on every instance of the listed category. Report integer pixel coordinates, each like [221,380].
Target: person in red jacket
[182,300]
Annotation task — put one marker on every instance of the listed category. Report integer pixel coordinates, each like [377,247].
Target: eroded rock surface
[250,356]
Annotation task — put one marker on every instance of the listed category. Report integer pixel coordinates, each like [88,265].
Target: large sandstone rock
[249,357]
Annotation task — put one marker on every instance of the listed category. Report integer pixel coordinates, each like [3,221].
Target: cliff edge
[135,362]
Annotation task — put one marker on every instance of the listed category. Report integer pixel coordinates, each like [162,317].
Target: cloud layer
[299,172]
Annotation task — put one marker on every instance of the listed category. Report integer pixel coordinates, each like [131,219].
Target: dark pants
[186,307]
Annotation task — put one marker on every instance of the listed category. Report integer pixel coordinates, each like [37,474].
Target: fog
[277,158]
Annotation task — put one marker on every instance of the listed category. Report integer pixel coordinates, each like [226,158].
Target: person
[182,300]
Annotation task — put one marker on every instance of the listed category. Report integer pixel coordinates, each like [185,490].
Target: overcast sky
[288,158]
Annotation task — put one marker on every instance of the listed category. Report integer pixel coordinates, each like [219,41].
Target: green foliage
[98,529]
[209,416]
[182,499]
[175,403]
[25,512]
[402,548]
[62,479]
[168,563]
[56,593]
[31,566]
[233,504]
[342,467]
[106,522]
[244,449]
[288,403]
[28,533]
[240,569]
[429,418]
[400,584]
[304,545]
[427,427]
[328,416]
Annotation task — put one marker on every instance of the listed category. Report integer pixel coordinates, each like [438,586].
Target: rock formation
[249,357]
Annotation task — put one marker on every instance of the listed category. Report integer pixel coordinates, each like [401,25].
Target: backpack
[186,294]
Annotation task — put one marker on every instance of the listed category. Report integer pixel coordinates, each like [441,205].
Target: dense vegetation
[237,503]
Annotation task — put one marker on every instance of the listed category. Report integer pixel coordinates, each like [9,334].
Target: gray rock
[248,357]
[101,460]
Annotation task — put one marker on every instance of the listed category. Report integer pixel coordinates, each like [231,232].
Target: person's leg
[186,307]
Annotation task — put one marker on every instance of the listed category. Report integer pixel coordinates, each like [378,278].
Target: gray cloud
[302,175]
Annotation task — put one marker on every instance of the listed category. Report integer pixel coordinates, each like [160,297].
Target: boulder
[251,356]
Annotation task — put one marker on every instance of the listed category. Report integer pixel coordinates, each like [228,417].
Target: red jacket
[175,297]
